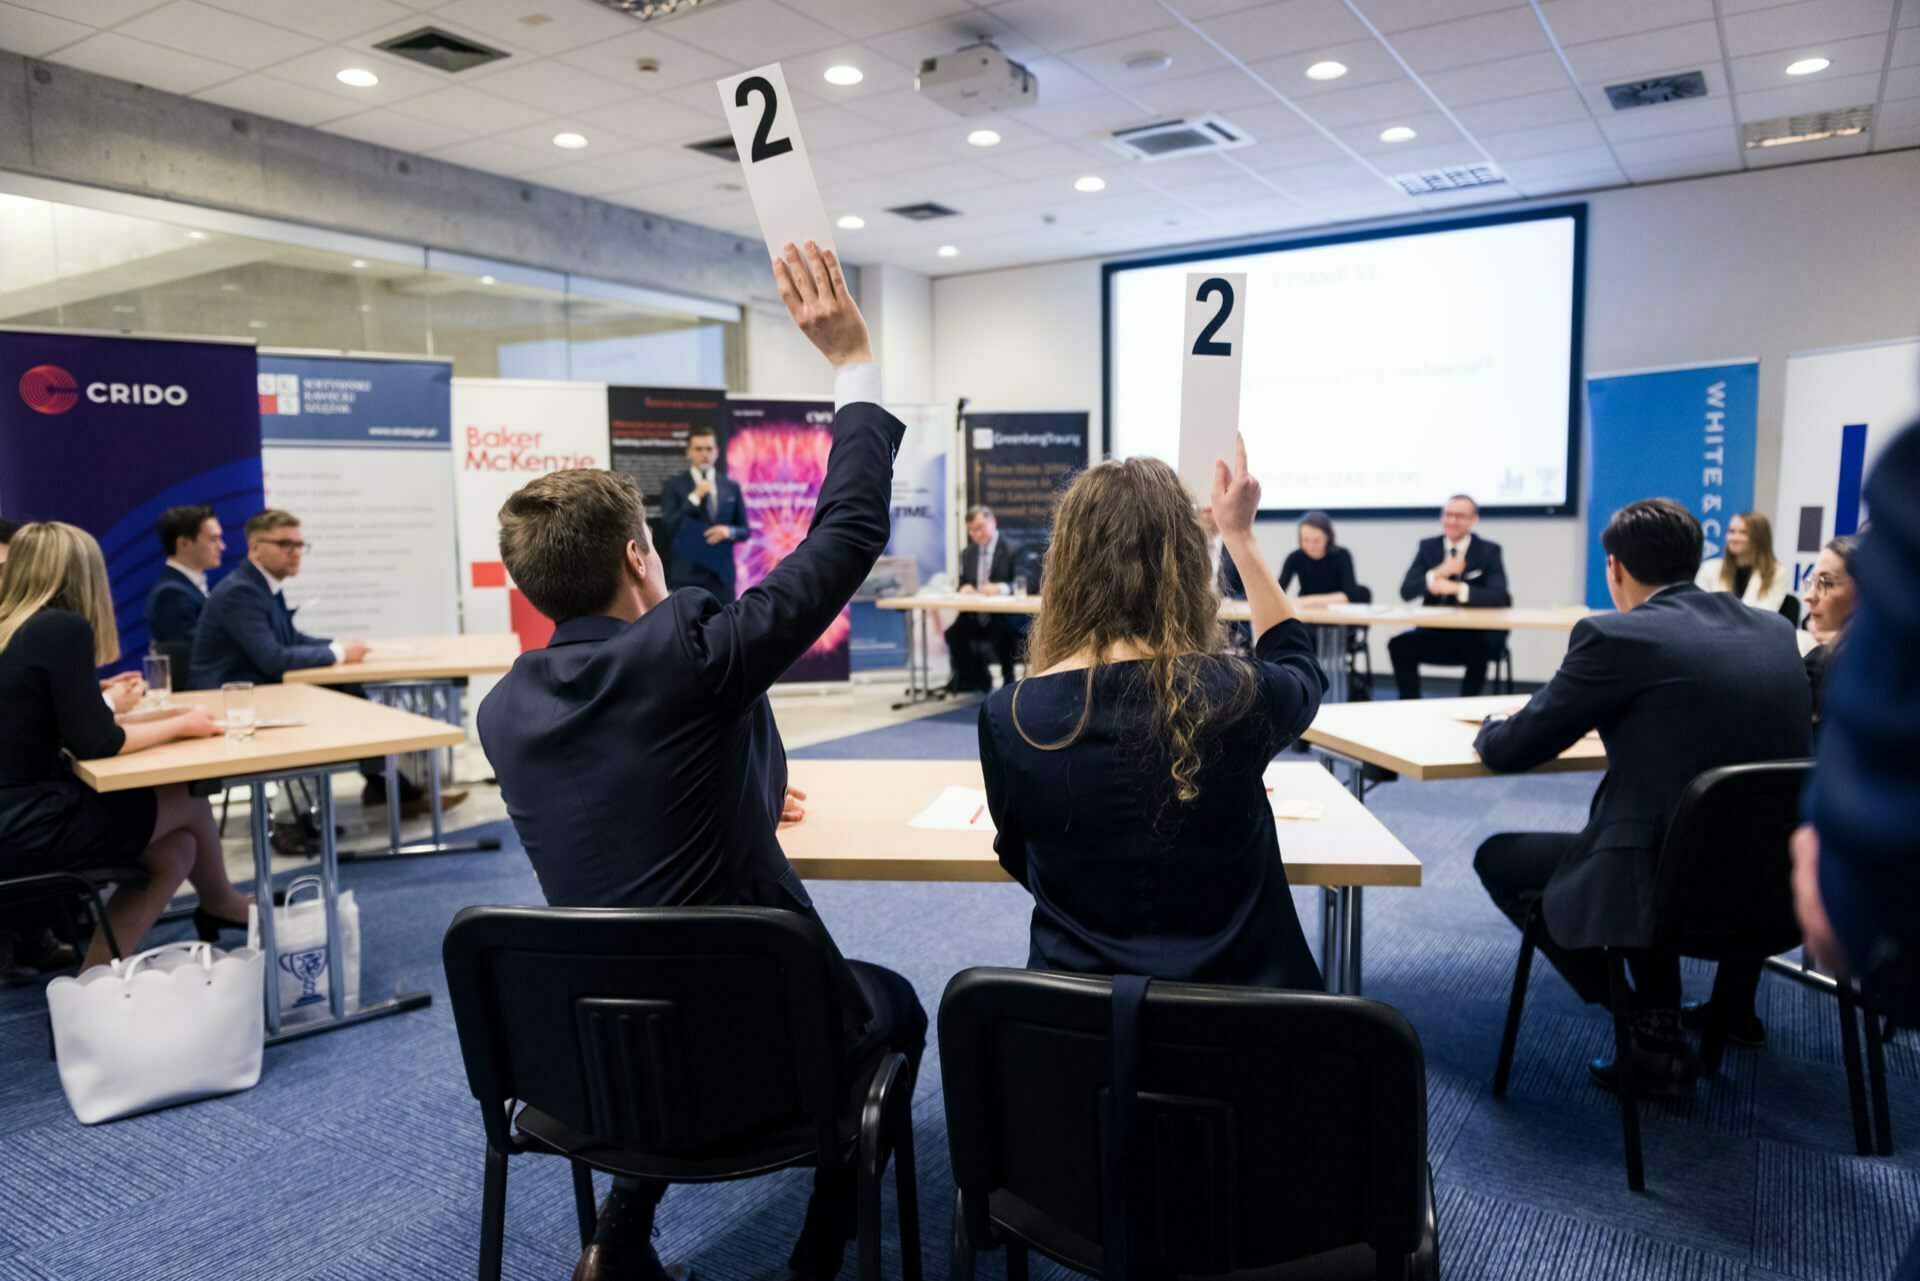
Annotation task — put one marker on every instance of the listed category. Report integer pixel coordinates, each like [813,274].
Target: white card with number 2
[766,132]
[1210,375]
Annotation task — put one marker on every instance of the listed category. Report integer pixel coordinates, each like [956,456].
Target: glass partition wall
[137,265]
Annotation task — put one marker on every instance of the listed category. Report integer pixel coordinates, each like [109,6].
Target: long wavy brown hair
[1129,563]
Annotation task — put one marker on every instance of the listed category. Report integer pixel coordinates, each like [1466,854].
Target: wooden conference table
[858,829]
[339,731]
[427,675]
[1330,624]
[1428,738]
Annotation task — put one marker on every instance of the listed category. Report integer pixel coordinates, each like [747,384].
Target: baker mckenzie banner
[361,450]
[1684,433]
[1017,464]
[107,432]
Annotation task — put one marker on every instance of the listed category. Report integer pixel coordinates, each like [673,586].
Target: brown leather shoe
[422,805]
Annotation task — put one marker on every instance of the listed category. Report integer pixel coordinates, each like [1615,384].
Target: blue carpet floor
[358,1156]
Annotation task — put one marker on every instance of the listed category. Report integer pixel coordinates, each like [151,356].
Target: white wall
[1753,264]
[898,305]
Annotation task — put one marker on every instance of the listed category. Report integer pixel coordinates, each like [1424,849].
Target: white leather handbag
[174,1023]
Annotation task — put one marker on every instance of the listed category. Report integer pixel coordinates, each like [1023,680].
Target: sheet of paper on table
[1355,607]
[956,809]
[1288,807]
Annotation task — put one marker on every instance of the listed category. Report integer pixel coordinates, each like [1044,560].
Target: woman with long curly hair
[1124,776]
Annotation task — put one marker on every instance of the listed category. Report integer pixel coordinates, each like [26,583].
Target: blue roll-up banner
[1682,433]
[106,432]
[360,448]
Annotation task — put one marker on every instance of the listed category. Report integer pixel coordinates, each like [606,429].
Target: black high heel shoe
[208,926]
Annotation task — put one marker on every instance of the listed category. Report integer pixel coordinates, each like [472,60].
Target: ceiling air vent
[1651,93]
[441,50]
[1167,139]
[719,148]
[658,10]
[1452,178]
[925,211]
[1816,126]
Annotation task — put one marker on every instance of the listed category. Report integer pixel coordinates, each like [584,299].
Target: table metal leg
[262,826]
[441,698]
[1329,940]
[1350,949]
[1330,648]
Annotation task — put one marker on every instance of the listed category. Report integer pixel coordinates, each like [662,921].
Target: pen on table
[976,815]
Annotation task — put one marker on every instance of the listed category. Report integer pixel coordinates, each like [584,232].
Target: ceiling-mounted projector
[976,80]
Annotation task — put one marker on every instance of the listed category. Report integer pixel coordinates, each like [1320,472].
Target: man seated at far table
[988,566]
[1452,568]
[1669,681]
[193,542]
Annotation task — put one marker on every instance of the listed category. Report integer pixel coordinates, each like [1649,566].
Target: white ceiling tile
[399,79]
[1390,101]
[1817,94]
[1584,162]
[470,111]
[1085,117]
[1902,82]
[334,20]
[1582,21]
[1801,152]
[494,156]
[1367,62]
[1273,119]
[1695,45]
[1729,7]
[25,31]
[555,87]
[266,96]
[1558,184]
[1509,33]
[1906,44]
[1666,117]
[109,54]
[1235,189]
[1302,179]
[1106,61]
[806,73]
[387,127]
[1721,144]
[1899,115]
[1056,82]
[1493,81]
[1285,153]
[906,111]
[1290,26]
[680,64]
[1398,15]
[658,119]
[1065,25]
[1530,111]
[1682,167]
[1016,135]
[948,34]
[1796,24]
[903,153]
[1444,156]
[752,33]
[838,127]
[1045,160]
[863,18]
[1524,144]
[844,164]
[1860,55]
[565,26]
[1909,16]
[95,13]
[1208,91]
[1896,139]
[603,145]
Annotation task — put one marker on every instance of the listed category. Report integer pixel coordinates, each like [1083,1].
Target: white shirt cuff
[339,651]
[108,700]
[1430,582]
[855,383]
[1464,589]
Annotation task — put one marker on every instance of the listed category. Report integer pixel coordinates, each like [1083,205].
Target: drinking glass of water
[236,699]
[1020,585]
[157,670]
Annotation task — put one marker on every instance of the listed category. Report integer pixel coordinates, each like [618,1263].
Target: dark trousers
[687,574]
[1515,868]
[899,1023]
[1001,631]
[1443,648]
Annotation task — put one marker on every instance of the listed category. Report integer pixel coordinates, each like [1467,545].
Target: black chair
[1282,1134]
[1790,608]
[1722,891]
[1503,670]
[694,1045]
[69,889]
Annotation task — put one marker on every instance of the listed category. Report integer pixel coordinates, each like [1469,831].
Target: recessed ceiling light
[948,251]
[488,280]
[124,309]
[570,141]
[360,262]
[229,288]
[844,74]
[366,306]
[358,77]
[256,324]
[984,138]
[1397,133]
[1328,70]
[196,235]
[850,222]
[1089,184]
[1807,66]
[1151,60]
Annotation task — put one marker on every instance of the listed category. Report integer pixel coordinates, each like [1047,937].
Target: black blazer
[1331,573]
[247,633]
[1122,881]
[640,762]
[1006,563]
[683,529]
[1485,577]
[174,606]
[1686,682]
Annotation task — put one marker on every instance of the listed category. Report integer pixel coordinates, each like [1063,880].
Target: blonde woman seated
[1749,569]
[1125,775]
[56,627]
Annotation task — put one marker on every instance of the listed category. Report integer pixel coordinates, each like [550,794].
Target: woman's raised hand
[1236,495]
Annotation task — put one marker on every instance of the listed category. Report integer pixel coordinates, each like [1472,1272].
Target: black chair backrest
[1790,607]
[1724,884]
[652,1029]
[1275,1124]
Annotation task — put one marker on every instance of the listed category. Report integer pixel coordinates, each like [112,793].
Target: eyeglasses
[1824,583]
[291,544]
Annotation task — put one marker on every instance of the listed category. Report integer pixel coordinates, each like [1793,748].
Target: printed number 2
[1204,345]
[762,148]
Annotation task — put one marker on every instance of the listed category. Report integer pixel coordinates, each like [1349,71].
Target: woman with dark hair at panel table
[1748,568]
[1831,599]
[56,627]
[1125,775]
[1323,567]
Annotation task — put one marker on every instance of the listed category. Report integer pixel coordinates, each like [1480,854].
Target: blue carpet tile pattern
[358,1156]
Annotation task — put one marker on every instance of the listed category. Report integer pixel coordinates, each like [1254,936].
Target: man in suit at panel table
[988,566]
[1670,682]
[702,515]
[637,753]
[193,542]
[1453,568]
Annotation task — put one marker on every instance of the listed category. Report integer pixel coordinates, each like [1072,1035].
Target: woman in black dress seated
[1323,567]
[1125,776]
[56,627]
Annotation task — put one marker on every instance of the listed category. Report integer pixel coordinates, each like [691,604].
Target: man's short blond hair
[564,536]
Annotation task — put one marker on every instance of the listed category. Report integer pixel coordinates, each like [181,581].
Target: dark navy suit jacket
[1865,795]
[691,560]
[640,761]
[1686,682]
[1485,576]
[173,608]
[247,633]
